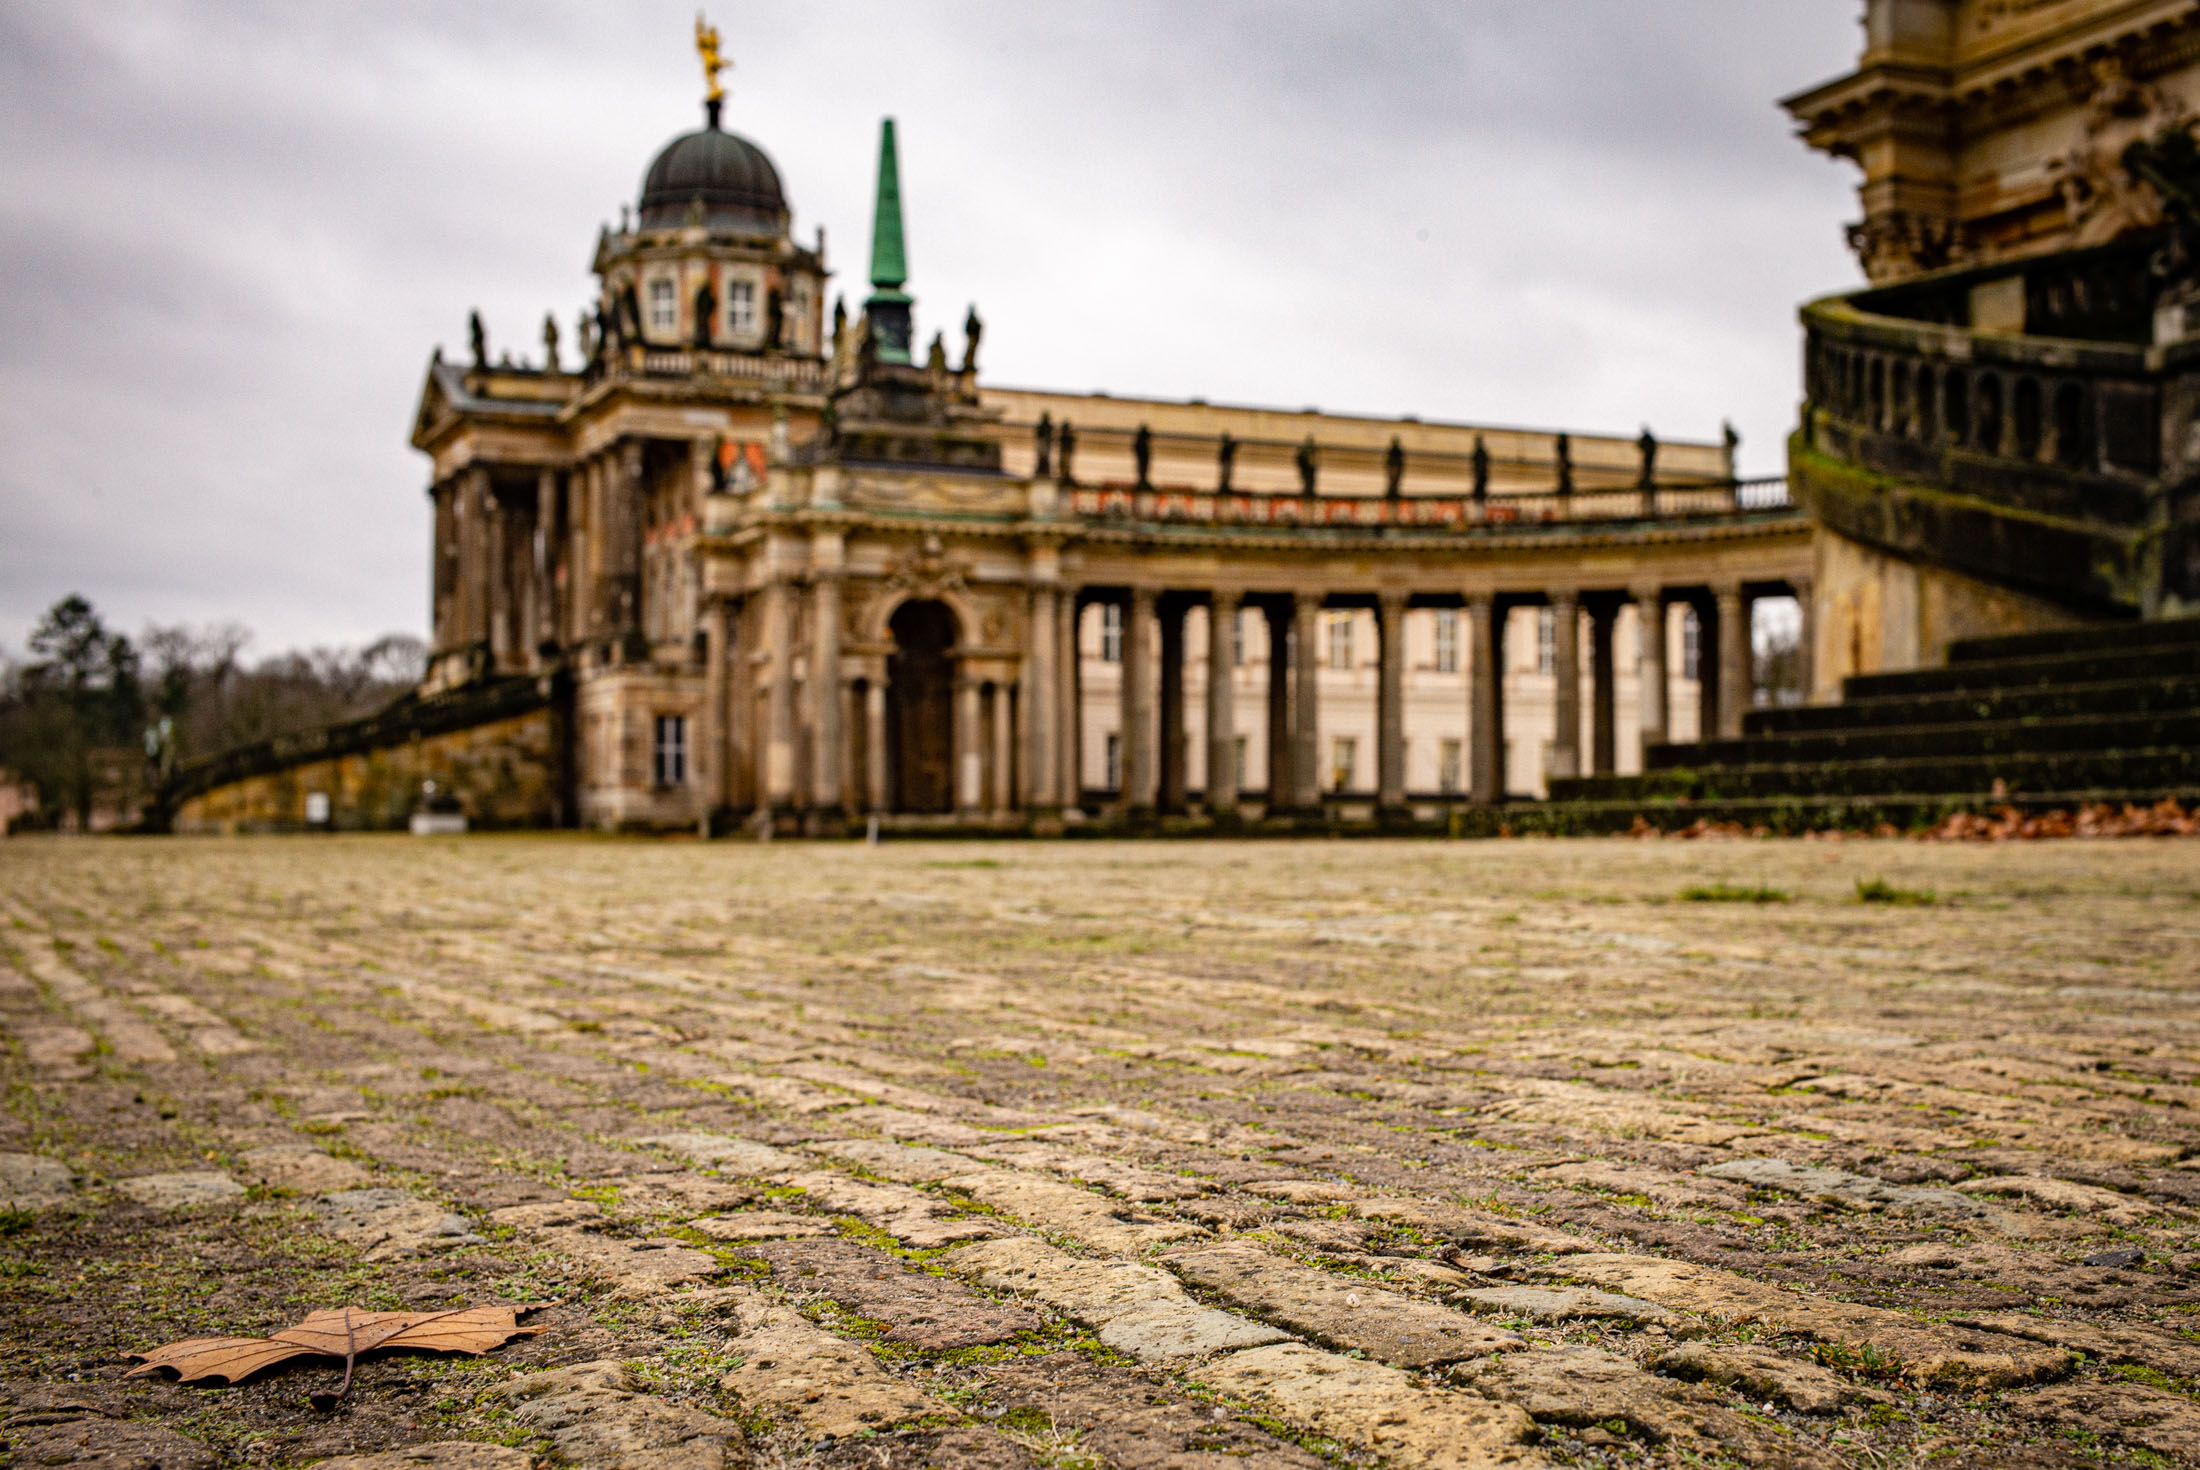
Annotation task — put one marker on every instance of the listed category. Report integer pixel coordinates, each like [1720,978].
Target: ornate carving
[2101,197]
[927,571]
[1902,242]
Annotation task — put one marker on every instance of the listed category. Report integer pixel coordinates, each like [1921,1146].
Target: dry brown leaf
[343,1333]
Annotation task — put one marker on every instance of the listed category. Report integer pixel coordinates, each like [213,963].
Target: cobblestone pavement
[1083,1154]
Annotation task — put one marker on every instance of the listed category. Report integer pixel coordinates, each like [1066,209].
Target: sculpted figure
[706,312]
[1647,445]
[584,333]
[775,319]
[1565,464]
[935,360]
[1069,450]
[1225,461]
[478,336]
[1310,459]
[973,333]
[1481,469]
[550,342]
[1142,453]
[1042,443]
[1394,468]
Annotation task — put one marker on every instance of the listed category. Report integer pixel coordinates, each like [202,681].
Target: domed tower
[706,262]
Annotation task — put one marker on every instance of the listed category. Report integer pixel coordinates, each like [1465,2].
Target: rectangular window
[1340,640]
[672,750]
[1546,641]
[1344,754]
[1691,644]
[740,308]
[1239,745]
[1237,640]
[1111,634]
[1115,763]
[1447,640]
[664,305]
[1448,760]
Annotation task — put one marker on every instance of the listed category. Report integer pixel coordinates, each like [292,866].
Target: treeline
[90,718]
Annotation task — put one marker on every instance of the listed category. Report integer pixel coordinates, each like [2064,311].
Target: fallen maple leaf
[344,1333]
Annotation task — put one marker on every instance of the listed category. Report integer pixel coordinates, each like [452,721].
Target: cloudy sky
[234,230]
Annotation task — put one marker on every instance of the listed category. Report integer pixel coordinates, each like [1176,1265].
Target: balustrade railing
[1132,503]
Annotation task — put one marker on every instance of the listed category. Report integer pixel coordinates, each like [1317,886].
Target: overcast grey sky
[234,230]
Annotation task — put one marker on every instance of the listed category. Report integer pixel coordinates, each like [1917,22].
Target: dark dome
[736,182]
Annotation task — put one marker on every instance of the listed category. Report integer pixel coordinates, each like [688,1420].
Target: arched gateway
[920,708]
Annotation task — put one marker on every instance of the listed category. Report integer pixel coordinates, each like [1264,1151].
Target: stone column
[496,580]
[1139,773]
[1806,637]
[1603,690]
[711,740]
[1566,692]
[777,642]
[1041,694]
[542,591]
[1069,711]
[827,743]
[1004,748]
[969,762]
[1390,704]
[874,745]
[1281,788]
[1175,783]
[1651,689]
[1734,670]
[1222,775]
[1306,774]
[1485,700]
[443,575]
[625,517]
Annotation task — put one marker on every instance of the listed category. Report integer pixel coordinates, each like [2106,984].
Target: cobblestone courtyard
[1201,1154]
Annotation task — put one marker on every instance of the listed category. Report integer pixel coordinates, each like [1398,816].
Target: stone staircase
[2034,721]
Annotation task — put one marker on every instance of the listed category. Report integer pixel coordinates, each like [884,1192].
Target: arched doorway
[920,708]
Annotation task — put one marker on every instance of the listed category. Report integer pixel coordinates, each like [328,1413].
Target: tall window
[1237,639]
[1238,745]
[672,750]
[1115,762]
[1344,754]
[1447,640]
[1340,640]
[1448,761]
[740,308]
[1111,634]
[664,305]
[1691,645]
[1546,641]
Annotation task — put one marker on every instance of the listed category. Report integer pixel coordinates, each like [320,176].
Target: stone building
[1998,434]
[797,570]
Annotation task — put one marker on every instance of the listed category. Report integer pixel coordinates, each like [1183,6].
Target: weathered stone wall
[1877,613]
[505,773]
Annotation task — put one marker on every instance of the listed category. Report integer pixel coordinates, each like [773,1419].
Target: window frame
[1111,632]
[669,764]
[661,302]
[741,292]
[1446,656]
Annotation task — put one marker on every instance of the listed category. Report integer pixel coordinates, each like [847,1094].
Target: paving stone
[2107,1342]
[825,1384]
[300,1167]
[182,1191]
[903,1163]
[939,1449]
[1656,1185]
[2062,1194]
[920,1221]
[1929,1352]
[108,1444]
[1338,1311]
[643,1267]
[1585,1386]
[1139,1311]
[1380,1407]
[57,1053]
[734,1155]
[1559,1304]
[1473,1229]
[925,1311]
[448,1454]
[1088,1218]
[389,1224]
[1130,1181]
[34,1182]
[1764,1377]
[760,1225]
[1134,1420]
[595,1414]
[2166,1423]
[1839,1187]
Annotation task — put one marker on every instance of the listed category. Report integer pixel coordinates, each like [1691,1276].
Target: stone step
[2046,670]
[2063,735]
[2093,697]
[2167,632]
[2156,769]
[1783,815]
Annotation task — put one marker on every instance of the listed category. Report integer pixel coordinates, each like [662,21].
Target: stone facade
[805,573]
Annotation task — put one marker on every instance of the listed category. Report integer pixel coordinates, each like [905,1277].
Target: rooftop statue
[550,342]
[1310,460]
[1042,443]
[1142,452]
[1225,461]
[478,336]
[1481,469]
[1394,468]
[1648,445]
[706,45]
[973,332]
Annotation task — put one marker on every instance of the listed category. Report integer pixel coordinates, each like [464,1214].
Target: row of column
[1152,709]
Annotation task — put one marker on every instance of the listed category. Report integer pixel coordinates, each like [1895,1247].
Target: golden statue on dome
[706,44]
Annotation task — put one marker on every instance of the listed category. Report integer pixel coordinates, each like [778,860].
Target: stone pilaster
[1281,788]
[1734,659]
[1306,772]
[1485,700]
[1222,775]
[1175,784]
[1140,770]
[969,759]
[1566,690]
[828,741]
[1651,688]
[1603,689]
[1390,703]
